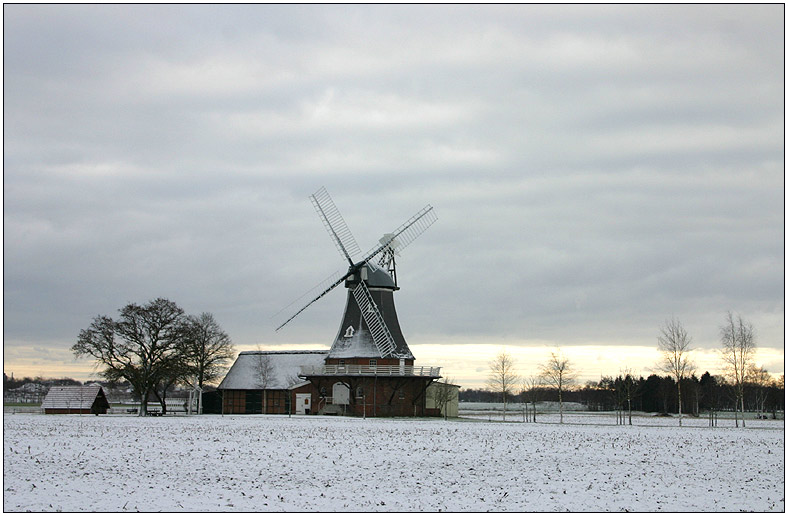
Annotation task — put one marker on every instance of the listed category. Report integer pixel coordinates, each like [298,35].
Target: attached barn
[267,382]
[71,399]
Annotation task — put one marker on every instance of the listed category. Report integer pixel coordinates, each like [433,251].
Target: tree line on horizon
[742,386]
[657,394]
[43,384]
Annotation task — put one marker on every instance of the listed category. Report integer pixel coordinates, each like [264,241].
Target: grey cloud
[594,168]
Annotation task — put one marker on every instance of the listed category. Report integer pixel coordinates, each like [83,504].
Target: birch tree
[674,344]
[558,373]
[738,351]
[502,377]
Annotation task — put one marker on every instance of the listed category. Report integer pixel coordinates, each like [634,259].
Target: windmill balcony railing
[366,370]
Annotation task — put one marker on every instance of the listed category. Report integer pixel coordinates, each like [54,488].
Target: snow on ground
[312,463]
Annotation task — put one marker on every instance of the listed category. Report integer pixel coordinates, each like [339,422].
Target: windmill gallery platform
[369,370]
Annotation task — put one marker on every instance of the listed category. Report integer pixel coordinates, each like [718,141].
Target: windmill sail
[347,246]
[406,233]
[372,316]
[335,224]
[320,290]
[325,291]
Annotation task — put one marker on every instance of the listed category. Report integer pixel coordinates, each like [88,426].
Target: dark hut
[89,399]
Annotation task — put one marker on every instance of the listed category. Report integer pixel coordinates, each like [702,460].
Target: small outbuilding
[443,399]
[88,399]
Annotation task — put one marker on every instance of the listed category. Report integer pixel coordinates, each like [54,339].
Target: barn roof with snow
[75,398]
[284,366]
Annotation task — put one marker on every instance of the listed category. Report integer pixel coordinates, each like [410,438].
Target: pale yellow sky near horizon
[465,364]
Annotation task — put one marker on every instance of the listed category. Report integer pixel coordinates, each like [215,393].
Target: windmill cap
[376,277]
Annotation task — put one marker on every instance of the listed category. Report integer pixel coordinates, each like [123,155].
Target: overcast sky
[595,170]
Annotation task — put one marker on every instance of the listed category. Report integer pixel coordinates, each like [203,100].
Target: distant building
[27,393]
[75,400]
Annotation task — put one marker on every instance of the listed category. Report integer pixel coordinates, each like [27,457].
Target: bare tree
[620,397]
[612,389]
[443,394]
[630,389]
[172,372]
[713,389]
[738,349]
[674,344]
[139,347]
[206,350]
[530,392]
[558,373]
[265,375]
[502,377]
[761,380]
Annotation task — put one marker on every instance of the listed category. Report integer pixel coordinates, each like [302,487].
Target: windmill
[365,273]
[369,341]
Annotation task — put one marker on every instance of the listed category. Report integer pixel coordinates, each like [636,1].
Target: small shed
[89,399]
[443,399]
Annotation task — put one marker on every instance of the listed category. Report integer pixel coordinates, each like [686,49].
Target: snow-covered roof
[434,385]
[71,397]
[354,339]
[355,344]
[284,368]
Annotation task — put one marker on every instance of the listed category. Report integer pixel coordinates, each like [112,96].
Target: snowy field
[311,463]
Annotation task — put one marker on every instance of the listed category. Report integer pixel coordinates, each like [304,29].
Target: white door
[341,394]
[303,403]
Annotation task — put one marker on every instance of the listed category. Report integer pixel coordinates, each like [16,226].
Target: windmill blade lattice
[335,224]
[372,316]
[347,246]
[320,288]
[407,232]
[325,291]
